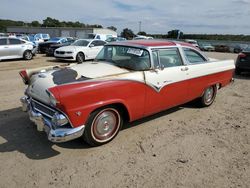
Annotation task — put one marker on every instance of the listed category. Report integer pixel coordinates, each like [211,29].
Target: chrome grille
[42,108]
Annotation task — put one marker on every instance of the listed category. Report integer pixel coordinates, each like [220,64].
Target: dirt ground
[182,147]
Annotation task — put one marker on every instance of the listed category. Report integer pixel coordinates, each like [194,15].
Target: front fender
[80,99]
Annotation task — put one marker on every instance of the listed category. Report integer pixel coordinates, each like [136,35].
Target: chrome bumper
[43,124]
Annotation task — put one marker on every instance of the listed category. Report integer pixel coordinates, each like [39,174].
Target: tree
[50,22]
[35,24]
[127,33]
[142,33]
[112,28]
[175,34]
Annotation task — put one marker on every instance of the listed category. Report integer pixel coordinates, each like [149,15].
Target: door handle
[184,69]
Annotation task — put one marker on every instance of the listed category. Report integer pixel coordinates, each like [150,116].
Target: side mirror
[91,45]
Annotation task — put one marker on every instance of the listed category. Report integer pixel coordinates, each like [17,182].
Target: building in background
[63,31]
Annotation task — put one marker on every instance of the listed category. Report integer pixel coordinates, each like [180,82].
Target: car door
[95,47]
[16,47]
[168,82]
[198,71]
[3,48]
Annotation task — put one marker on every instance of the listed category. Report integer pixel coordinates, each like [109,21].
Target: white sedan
[80,50]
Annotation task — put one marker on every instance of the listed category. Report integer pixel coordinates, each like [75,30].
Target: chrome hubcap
[106,125]
[209,95]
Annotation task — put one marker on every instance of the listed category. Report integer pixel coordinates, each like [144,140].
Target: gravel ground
[182,147]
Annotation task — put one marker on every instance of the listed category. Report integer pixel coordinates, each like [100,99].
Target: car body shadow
[243,76]
[19,134]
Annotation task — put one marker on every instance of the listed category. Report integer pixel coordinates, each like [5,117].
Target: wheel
[80,57]
[237,71]
[208,96]
[103,125]
[27,55]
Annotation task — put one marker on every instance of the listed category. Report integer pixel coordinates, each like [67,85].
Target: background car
[80,50]
[43,47]
[13,48]
[193,42]
[222,48]
[43,36]
[243,61]
[237,49]
[206,47]
[113,39]
[53,47]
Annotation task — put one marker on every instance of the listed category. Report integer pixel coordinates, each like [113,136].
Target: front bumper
[56,135]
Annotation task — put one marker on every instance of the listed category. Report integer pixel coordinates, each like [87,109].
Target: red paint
[139,99]
[25,77]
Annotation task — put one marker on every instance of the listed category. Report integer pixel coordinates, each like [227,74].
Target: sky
[156,16]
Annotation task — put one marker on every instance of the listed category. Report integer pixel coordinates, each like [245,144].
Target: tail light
[242,55]
[24,76]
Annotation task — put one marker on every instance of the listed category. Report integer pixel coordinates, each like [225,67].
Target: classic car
[80,50]
[14,48]
[221,48]
[243,61]
[206,47]
[127,81]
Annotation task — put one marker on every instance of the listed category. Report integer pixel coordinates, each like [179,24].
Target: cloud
[156,16]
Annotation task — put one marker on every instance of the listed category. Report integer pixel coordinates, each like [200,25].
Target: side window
[3,41]
[155,59]
[95,43]
[193,56]
[170,57]
[101,43]
[14,41]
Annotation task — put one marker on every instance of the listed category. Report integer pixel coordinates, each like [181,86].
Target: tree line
[126,33]
[48,22]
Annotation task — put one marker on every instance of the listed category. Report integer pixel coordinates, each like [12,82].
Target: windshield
[80,43]
[125,57]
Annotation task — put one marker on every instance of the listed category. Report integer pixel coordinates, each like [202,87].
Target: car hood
[87,71]
[70,48]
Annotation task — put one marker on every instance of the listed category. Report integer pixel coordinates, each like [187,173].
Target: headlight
[52,98]
[59,119]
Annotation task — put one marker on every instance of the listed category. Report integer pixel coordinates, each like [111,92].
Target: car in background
[243,61]
[3,35]
[221,48]
[14,48]
[42,36]
[53,47]
[193,42]
[113,39]
[43,47]
[80,50]
[237,49]
[206,47]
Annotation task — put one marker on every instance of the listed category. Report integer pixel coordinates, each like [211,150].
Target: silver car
[13,48]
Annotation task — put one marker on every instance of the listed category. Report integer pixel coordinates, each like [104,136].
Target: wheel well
[81,53]
[121,108]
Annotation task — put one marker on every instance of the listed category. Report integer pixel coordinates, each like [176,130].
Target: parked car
[141,37]
[127,81]
[53,47]
[221,48]
[80,50]
[193,42]
[14,48]
[243,61]
[206,47]
[113,39]
[44,46]
[237,49]
[42,36]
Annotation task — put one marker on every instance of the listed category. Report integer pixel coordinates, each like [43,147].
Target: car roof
[151,43]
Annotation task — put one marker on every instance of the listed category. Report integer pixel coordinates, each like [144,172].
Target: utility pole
[139,26]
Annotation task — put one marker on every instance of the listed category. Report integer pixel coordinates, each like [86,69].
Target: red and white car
[127,81]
